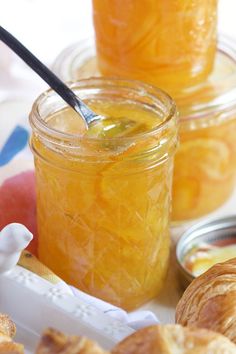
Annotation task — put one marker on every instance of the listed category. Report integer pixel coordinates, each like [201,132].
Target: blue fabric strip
[14,144]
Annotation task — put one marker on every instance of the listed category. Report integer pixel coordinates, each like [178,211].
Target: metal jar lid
[204,232]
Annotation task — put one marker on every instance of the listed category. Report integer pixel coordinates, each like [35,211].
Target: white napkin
[15,237]
[136,319]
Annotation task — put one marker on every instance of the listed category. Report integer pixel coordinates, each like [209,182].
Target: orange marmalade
[205,162]
[168,43]
[205,169]
[103,194]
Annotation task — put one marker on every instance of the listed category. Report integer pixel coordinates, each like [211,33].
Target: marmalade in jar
[205,162]
[103,195]
[168,43]
[205,168]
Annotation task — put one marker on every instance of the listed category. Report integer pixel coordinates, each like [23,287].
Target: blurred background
[46,27]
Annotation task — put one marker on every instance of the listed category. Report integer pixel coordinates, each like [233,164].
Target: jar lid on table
[216,94]
[205,244]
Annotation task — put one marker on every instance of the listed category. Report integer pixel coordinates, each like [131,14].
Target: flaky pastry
[210,301]
[7,331]
[175,339]
[55,342]
[7,326]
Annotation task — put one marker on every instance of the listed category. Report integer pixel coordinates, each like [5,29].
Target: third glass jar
[170,43]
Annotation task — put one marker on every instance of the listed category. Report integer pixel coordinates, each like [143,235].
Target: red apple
[18,204]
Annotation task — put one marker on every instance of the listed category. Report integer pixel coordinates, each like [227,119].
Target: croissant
[210,301]
[7,332]
[55,342]
[173,339]
[7,326]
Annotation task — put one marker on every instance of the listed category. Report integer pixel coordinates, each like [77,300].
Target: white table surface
[46,27]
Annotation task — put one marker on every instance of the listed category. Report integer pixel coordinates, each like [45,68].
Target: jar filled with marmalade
[168,43]
[103,194]
[205,162]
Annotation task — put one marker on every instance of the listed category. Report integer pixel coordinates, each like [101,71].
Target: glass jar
[103,201]
[205,163]
[170,44]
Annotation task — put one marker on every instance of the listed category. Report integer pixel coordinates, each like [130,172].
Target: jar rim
[217,94]
[76,56]
[144,89]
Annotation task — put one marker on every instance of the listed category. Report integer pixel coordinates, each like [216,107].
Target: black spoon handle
[47,75]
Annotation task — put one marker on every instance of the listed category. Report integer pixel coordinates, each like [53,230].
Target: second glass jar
[205,162]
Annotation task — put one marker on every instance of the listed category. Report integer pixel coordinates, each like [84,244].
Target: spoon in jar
[52,80]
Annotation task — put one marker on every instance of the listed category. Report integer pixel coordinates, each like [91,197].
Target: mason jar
[205,162]
[104,195]
[170,44]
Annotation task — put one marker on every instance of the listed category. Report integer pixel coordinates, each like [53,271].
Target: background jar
[103,204]
[205,163]
[170,44]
